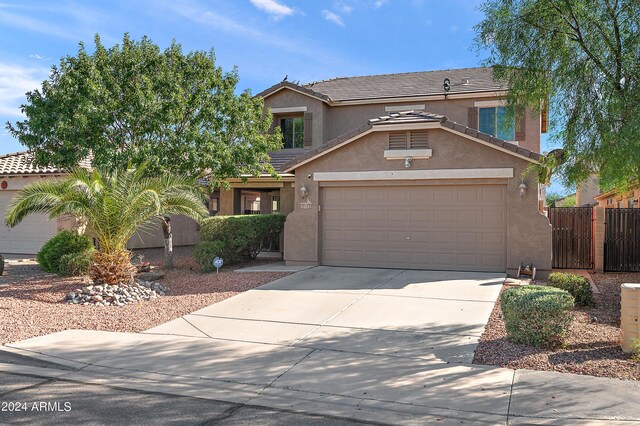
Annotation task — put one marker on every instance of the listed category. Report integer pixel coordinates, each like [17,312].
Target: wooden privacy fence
[622,240]
[572,237]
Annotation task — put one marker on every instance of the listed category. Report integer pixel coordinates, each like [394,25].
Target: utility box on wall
[630,311]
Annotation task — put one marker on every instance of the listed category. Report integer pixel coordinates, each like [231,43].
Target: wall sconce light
[304,192]
[522,189]
[407,162]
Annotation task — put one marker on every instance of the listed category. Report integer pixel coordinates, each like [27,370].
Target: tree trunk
[168,242]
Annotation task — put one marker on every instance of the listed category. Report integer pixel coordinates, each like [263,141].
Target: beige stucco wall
[186,232]
[528,231]
[330,122]
[288,98]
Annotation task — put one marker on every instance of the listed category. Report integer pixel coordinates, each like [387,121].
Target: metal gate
[622,240]
[572,237]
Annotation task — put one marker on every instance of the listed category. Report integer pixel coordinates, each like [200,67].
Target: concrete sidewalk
[367,344]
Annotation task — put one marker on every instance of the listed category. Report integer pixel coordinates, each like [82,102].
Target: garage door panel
[424,227]
[27,237]
[444,194]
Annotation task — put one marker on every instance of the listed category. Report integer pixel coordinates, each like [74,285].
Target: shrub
[242,237]
[577,285]
[206,251]
[64,242]
[74,264]
[536,315]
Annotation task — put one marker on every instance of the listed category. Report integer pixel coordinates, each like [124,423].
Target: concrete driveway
[419,314]
[379,345]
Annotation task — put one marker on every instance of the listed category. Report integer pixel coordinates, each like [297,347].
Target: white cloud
[342,8]
[379,3]
[333,17]
[272,7]
[15,81]
[454,28]
[79,20]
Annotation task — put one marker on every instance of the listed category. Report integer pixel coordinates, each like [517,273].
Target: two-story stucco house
[415,170]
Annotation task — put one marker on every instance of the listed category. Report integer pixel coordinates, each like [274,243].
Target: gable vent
[398,140]
[419,140]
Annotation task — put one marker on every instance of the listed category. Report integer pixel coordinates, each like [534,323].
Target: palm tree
[114,206]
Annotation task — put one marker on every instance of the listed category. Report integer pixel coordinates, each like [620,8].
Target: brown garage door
[458,228]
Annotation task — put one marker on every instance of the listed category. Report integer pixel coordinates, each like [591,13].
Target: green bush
[577,285]
[64,242]
[206,251]
[74,264]
[536,315]
[241,237]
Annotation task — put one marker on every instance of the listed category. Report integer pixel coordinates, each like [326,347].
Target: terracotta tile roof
[405,118]
[21,163]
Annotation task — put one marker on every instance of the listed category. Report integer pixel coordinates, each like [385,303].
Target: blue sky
[266,39]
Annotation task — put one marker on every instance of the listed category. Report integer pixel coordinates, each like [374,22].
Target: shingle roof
[411,117]
[282,157]
[294,86]
[21,163]
[407,84]
[401,85]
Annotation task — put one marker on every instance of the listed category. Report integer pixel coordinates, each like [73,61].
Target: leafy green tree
[134,104]
[581,59]
[114,205]
[552,198]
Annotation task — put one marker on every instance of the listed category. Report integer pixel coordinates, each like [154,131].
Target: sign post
[218,262]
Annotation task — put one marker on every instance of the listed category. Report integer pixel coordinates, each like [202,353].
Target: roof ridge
[14,154]
[388,74]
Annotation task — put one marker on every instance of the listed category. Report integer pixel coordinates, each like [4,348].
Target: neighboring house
[587,192]
[393,171]
[614,199]
[17,171]
[567,201]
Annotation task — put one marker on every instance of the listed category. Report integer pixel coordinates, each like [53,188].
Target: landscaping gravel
[592,346]
[32,303]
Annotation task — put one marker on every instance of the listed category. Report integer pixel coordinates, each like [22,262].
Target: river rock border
[116,295]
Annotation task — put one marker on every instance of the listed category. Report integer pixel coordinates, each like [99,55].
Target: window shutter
[473,118]
[275,123]
[419,140]
[307,129]
[520,134]
[398,140]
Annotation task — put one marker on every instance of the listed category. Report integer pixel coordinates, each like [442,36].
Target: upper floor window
[292,132]
[497,121]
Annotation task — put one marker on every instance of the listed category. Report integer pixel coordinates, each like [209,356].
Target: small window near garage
[609,201]
[275,204]
[292,129]
[498,122]
[619,204]
[409,140]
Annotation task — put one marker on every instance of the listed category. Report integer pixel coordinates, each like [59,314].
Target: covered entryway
[29,236]
[440,227]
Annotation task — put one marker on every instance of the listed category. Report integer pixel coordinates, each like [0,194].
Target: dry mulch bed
[592,346]
[32,301]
